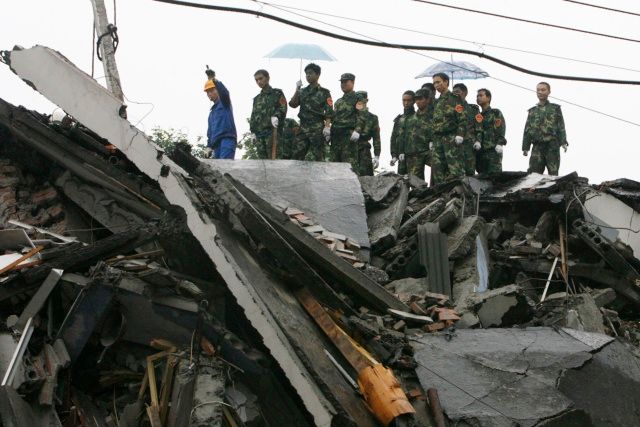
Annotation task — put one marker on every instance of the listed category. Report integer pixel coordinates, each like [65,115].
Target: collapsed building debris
[138,289]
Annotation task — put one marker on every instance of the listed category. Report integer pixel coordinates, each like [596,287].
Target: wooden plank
[26,256]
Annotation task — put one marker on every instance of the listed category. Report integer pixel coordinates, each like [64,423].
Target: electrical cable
[479,44]
[461,67]
[393,45]
[603,7]
[528,21]
[412,49]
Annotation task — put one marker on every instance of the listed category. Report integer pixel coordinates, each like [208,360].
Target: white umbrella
[301,51]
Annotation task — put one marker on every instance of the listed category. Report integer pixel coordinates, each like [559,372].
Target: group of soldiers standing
[453,137]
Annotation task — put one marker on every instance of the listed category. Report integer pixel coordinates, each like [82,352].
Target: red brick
[45,197]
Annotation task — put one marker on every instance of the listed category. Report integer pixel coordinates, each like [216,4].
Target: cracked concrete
[529,377]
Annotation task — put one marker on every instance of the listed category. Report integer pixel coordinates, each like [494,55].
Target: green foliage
[167,139]
[249,145]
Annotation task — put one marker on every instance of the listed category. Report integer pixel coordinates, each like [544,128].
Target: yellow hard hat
[209,85]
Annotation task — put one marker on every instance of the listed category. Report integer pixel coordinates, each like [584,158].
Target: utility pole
[102,28]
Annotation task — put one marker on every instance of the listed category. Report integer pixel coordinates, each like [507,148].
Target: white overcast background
[164,48]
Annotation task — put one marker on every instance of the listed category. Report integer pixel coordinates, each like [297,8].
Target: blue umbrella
[301,51]
[458,70]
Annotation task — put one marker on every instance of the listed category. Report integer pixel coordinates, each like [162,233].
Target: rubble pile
[187,292]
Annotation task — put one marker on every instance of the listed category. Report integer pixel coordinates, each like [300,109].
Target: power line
[456,65]
[603,7]
[480,44]
[593,33]
[409,48]
[371,42]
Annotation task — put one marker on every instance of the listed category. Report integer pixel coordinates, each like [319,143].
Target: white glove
[327,133]
[401,157]
[477,145]
[298,84]
[207,152]
[431,146]
[564,147]
[525,153]
[499,148]
[458,139]
[376,162]
[274,121]
[393,161]
[354,136]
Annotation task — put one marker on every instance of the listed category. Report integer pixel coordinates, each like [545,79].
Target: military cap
[347,76]
[422,93]
[362,95]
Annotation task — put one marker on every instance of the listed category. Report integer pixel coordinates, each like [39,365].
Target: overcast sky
[164,48]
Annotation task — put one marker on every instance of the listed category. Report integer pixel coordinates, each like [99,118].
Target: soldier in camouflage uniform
[289,132]
[370,128]
[345,130]
[315,116]
[268,114]
[490,130]
[545,131]
[416,145]
[399,132]
[449,125]
[471,111]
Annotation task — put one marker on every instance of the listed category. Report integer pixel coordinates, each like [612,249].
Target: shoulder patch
[498,123]
[459,108]
[283,100]
[479,118]
[330,102]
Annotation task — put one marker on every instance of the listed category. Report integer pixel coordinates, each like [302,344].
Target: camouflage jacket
[345,113]
[449,117]
[399,132]
[490,128]
[471,111]
[544,124]
[268,103]
[418,133]
[369,128]
[315,106]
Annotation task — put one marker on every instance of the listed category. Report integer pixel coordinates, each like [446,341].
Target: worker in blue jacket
[221,133]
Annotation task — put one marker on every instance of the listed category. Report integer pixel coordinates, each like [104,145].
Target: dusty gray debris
[499,377]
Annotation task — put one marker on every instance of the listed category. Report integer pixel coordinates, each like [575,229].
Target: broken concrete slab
[427,214]
[617,219]
[69,88]
[16,412]
[384,224]
[497,377]
[408,286]
[329,193]
[502,307]
[380,190]
[590,234]
[462,238]
[607,387]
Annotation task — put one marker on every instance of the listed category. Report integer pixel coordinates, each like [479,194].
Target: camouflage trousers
[309,140]
[365,162]
[545,154]
[469,158]
[447,159]
[489,161]
[415,164]
[264,141]
[343,149]
[402,167]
